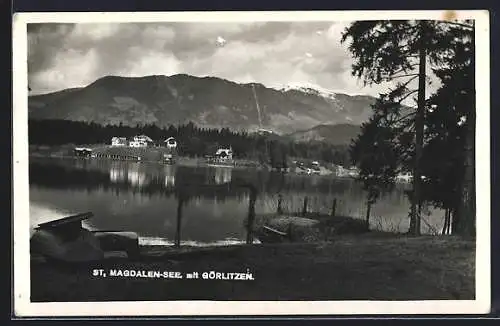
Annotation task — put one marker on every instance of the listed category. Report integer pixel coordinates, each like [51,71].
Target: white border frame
[24,308]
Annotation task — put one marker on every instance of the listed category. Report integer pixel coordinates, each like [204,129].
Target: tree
[373,152]
[451,124]
[400,52]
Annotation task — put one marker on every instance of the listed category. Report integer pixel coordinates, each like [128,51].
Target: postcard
[251,163]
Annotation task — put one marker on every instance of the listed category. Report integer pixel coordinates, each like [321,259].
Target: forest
[193,141]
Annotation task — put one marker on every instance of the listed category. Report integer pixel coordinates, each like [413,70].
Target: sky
[276,54]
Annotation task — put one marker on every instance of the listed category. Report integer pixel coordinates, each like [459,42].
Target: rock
[119,241]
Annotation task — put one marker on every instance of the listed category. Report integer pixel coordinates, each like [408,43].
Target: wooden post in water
[304,208]
[280,209]
[334,207]
[180,203]
[368,209]
[251,214]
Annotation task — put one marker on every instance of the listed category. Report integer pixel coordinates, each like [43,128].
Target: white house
[341,171]
[405,177]
[141,141]
[118,141]
[353,172]
[224,153]
[171,143]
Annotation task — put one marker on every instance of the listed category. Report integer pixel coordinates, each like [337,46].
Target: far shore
[66,152]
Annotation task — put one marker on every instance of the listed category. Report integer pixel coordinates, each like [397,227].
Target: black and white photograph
[251,163]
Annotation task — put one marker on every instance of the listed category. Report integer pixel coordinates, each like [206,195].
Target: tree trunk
[251,215]
[455,221]
[467,203]
[466,206]
[419,139]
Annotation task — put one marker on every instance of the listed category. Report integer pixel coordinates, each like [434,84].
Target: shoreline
[152,155]
[65,152]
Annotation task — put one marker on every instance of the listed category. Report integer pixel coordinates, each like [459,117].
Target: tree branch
[404,117]
[470,27]
[404,75]
[407,95]
[405,69]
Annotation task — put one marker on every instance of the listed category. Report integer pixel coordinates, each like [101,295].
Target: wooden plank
[267,228]
[78,218]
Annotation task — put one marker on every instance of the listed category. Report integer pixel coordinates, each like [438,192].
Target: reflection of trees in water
[169,172]
[167,180]
[223,175]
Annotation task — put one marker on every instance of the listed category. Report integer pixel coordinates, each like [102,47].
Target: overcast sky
[275,54]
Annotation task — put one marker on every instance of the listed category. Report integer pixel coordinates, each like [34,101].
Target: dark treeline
[193,141]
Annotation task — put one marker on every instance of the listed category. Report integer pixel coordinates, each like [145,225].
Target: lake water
[143,198]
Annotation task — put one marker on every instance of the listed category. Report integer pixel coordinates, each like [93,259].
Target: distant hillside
[340,134]
[207,101]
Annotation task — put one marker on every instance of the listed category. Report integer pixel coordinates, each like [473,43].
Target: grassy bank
[362,267]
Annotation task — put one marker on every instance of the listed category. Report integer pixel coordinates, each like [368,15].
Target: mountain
[207,101]
[339,134]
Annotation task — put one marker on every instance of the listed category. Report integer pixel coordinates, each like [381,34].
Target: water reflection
[121,192]
[169,171]
[117,173]
[223,175]
[136,177]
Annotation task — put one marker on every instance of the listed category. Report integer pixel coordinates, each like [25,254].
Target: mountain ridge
[334,134]
[207,101]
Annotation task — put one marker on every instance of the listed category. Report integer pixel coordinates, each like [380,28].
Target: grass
[363,267]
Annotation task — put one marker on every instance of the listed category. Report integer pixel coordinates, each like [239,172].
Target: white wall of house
[138,144]
[224,153]
[171,143]
[118,141]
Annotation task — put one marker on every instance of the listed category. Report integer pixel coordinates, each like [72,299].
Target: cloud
[272,53]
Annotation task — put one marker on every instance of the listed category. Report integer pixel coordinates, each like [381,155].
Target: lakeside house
[118,141]
[170,143]
[315,167]
[83,152]
[141,141]
[405,177]
[224,154]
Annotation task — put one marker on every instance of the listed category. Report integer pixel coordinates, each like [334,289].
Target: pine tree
[400,52]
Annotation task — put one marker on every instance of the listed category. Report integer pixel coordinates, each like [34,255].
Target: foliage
[388,51]
[373,153]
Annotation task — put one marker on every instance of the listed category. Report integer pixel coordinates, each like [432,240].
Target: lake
[143,197]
